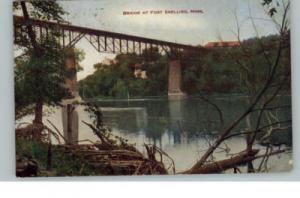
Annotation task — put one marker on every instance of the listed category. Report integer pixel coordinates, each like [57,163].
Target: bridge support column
[69,112]
[175,81]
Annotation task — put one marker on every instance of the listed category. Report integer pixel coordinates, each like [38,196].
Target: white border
[7,143]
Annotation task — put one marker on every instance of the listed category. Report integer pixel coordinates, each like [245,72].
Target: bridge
[103,42]
[110,42]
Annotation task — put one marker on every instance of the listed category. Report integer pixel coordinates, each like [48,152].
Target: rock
[26,167]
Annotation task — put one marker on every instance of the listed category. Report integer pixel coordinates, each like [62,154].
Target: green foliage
[117,79]
[119,90]
[221,70]
[79,56]
[44,10]
[39,69]
[240,69]
[63,164]
[40,78]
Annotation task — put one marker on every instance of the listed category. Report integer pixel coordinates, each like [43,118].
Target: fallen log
[117,160]
[220,166]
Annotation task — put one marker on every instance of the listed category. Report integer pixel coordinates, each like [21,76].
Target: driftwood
[37,132]
[220,166]
[125,162]
[118,160]
[233,163]
[32,131]
[108,158]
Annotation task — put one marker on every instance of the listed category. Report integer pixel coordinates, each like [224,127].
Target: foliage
[220,70]
[117,79]
[273,6]
[44,10]
[63,164]
[79,56]
[240,69]
[40,77]
[39,69]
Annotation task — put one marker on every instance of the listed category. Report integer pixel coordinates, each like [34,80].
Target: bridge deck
[102,41]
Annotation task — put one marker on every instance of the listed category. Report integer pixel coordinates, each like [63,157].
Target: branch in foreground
[220,166]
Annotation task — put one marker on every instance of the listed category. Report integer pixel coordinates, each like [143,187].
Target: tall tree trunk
[30,31]
[38,53]
[38,119]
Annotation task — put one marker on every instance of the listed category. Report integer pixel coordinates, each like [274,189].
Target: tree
[118,80]
[263,101]
[40,78]
[39,70]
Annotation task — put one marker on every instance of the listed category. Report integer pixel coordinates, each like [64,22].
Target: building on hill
[108,61]
[139,72]
[222,44]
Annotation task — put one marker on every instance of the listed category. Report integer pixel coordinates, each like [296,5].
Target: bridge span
[111,42]
[102,41]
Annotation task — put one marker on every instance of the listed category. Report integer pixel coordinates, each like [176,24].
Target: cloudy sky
[217,21]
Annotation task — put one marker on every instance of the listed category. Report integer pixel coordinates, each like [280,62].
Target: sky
[217,22]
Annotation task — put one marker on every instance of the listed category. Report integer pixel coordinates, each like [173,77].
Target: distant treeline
[239,69]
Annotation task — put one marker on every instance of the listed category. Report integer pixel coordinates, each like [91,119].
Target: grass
[62,164]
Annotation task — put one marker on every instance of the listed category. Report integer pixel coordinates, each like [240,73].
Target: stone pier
[175,81]
[69,112]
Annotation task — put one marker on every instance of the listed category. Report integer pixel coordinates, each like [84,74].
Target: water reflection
[181,128]
[126,119]
[184,128]
[177,125]
[183,121]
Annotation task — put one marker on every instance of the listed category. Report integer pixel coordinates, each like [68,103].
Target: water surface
[183,128]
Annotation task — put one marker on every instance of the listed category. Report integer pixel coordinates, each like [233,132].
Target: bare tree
[260,103]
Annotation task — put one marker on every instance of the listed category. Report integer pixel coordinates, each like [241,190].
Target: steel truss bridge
[102,41]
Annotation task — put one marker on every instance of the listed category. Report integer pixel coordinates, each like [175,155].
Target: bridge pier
[175,81]
[69,111]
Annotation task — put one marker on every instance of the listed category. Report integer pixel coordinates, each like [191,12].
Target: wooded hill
[220,70]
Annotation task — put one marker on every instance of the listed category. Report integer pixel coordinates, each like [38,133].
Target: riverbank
[61,164]
[37,158]
[180,128]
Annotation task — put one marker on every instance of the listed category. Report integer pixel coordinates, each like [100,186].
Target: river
[182,128]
